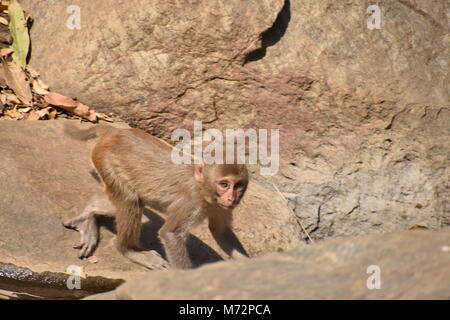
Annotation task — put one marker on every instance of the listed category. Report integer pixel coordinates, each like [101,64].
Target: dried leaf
[19,32]
[102,116]
[32,71]
[52,113]
[2,78]
[42,84]
[33,115]
[5,35]
[43,112]
[11,98]
[16,79]
[47,112]
[14,114]
[24,110]
[3,21]
[39,87]
[92,259]
[70,105]
[5,51]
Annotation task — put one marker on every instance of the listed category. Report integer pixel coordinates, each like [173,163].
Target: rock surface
[136,57]
[366,140]
[412,265]
[363,114]
[46,177]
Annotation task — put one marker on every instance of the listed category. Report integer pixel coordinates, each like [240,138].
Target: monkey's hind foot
[149,259]
[86,225]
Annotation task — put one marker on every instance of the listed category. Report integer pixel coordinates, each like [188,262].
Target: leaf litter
[23,94]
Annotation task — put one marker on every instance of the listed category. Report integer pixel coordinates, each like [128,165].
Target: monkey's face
[223,185]
[229,191]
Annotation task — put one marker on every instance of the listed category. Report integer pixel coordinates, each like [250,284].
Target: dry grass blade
[287,205]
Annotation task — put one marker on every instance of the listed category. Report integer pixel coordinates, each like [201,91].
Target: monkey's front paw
[87,244]
[89,235]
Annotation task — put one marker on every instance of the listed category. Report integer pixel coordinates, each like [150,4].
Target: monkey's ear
[198,172]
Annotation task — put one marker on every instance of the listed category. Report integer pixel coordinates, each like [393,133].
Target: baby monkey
[137,172]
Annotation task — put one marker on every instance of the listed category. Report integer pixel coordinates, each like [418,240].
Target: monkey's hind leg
[86,224]
[128,221]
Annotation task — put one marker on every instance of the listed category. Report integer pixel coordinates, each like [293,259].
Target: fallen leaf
[52,113]
[42,84]
[5,51]
[24,110]
[92,259]
[32,71]
[70,105]
[102,116]
[3,21]
[33,115]
[14,114]
[16,79]
[11,98]
[2,78]
[39,87]
[42,112]
[5,35]
[19,32]
[47,112]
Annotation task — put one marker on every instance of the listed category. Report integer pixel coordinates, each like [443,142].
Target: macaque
[137,172]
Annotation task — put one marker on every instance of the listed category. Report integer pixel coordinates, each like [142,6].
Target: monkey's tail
[86,134]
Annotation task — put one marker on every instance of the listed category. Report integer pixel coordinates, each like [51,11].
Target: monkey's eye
[224,184]
[239,185]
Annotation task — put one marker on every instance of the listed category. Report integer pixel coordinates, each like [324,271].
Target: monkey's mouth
[227,207]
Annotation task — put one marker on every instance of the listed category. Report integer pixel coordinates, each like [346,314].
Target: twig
[292,211]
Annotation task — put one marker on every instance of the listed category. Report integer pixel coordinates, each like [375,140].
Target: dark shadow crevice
[272,35]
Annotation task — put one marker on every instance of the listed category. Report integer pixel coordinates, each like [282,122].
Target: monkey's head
[223,185]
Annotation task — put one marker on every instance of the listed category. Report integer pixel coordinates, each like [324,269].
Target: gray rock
[138,58]
[46,177]
[366,140]
[363,114]
[411,265]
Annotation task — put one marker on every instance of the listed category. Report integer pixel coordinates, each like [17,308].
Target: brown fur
[137,171]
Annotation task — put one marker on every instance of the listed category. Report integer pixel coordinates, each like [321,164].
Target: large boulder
[405,265]
[47,177]
[140,58]
[366,139]
[363,113]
